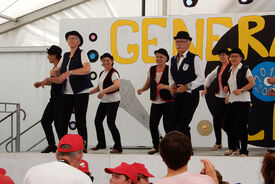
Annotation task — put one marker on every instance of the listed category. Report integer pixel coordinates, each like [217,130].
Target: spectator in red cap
[123,174]
[63,171]
[143,174]
[84,167]
[5,179]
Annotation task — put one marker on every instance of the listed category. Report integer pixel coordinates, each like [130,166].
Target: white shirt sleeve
[60,62]
[84,57]
[199,66]
[170,78]
[115,76]
[211,77]
[248,73]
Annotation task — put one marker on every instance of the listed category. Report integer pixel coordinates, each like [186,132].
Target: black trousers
[50,115]
[79,104]
[184,107]
[218,118]
[236,125]
[109,110]
[158,111]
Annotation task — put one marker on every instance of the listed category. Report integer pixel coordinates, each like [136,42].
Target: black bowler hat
[224,50]
[162,51]
[75,33]
[55,50]
[107,55]
[183,35]
[237,51]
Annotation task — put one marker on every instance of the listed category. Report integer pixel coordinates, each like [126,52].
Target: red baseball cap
[84,167]
[141,169]
[2,171]
[125,169]
[74,140]
[5,179]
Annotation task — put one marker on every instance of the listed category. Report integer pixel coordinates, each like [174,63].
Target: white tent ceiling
[42,26]
[18,8]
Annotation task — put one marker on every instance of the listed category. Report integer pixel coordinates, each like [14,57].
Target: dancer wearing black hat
[108,92]
[240,82]
[187,70]
[74,68]
[52,111]
[158,82]
[220,76]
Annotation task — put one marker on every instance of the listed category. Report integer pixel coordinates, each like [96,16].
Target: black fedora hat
[75,33]
[183,35]
[237,51]
[162,51]
[224,50]
[107,55]
[55,50]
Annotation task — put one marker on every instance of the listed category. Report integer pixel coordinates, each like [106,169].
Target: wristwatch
[242,90]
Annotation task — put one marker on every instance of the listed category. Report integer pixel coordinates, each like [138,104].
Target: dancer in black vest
[187,70]
[108,88]
[240,82]
[52,111]
[158,82]
[74,68]
[220,76]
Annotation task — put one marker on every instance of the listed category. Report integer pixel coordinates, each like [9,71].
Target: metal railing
[11,113]
[30,127]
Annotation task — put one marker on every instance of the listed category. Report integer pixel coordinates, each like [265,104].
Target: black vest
[188,74]
[225,76]
[108,80]
[241,77]
[78,82]
[164,94]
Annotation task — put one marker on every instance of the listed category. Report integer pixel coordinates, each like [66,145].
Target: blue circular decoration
[93,55]
[260,73]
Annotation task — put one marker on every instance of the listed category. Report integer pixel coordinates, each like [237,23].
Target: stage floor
[198,151]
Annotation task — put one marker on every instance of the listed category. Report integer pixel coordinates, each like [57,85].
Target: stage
[235,169]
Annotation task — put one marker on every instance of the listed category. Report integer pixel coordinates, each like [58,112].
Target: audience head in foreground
[268,168]
[65,170]
[123,174]
[143,174]
[176,150]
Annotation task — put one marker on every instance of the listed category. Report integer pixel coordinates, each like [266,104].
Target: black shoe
[97,148]
[50,149]
[114,150]
[153,151]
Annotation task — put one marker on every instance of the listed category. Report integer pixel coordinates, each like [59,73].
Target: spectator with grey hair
[63,171]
